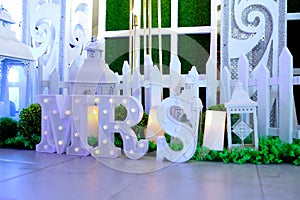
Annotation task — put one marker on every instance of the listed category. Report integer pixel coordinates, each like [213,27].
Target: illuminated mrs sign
[65,126]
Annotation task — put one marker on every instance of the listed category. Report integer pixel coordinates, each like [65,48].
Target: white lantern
[242,106]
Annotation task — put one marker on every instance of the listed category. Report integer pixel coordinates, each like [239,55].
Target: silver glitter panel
[257,52]
[273,121]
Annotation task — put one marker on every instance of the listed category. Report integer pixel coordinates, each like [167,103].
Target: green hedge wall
[165,14]
[193,13]
[192,49]
[117,15]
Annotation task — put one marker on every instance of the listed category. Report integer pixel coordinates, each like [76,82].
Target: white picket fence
[287,127]
[153,82]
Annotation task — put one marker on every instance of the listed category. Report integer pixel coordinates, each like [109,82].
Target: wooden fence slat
[243,71]
[126,78]
[212,84]
[286,96]
[226,84]
[54,82]
[263,99]
[175,75]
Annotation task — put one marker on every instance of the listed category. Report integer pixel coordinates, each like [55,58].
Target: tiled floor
[29,175]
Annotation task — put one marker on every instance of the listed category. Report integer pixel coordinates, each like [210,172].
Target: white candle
[93,121]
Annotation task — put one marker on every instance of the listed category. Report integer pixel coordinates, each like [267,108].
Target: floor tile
[280,181]
[196,180]
[14,163]
[35,176]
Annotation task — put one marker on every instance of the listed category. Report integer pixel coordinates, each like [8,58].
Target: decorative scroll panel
[57,31]
[42,23]
[78,29]
[257,30]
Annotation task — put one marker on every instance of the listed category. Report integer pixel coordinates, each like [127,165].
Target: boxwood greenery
[29,129]
[271,149]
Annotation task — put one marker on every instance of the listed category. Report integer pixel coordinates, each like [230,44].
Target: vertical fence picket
[126,78]
[263,99]
[212,84]
[243,71]
[54,82]
[286,96]
[226,84]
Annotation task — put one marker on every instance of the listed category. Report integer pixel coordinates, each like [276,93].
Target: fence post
[155,87]
[192,81]
[211,80]
[226,84]
[243,71]
[54,82]
[263,99]
[175,75]
[285,82]
[126,84]
[136,84]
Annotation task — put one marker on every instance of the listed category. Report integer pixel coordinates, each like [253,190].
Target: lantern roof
[93,69]
[240,97]
[5,16]
[94,45]
[11,47]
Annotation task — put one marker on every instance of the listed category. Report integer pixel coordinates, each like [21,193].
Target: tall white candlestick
[137,7]
[159,35]
[130,36]
[144,26]
[150,26]
[136,24]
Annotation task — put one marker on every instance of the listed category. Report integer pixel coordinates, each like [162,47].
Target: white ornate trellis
[258,31]
[57,31]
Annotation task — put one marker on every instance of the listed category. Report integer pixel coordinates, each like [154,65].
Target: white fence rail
[287,128]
